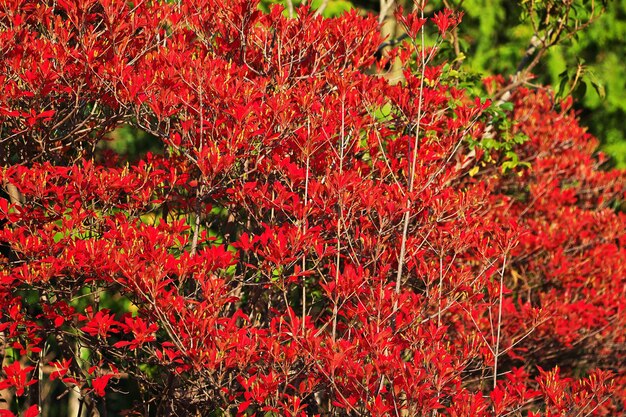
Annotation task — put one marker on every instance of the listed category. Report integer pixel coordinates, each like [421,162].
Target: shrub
[315,239]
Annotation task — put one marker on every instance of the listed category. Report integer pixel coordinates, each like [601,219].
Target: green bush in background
[495,34]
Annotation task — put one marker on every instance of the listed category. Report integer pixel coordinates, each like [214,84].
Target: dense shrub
[315,239]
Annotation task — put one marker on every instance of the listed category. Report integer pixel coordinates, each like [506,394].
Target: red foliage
[17,377]
[314,240]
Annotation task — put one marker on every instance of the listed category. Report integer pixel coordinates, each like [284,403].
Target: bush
[315,238]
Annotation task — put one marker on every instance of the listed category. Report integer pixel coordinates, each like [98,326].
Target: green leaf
[507,106]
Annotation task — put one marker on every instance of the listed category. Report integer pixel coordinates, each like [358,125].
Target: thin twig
[405,227]
[495,364]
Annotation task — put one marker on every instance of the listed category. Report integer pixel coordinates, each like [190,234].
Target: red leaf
[33,411]
[100,383]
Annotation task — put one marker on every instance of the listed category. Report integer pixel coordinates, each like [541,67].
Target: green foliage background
[495,35]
